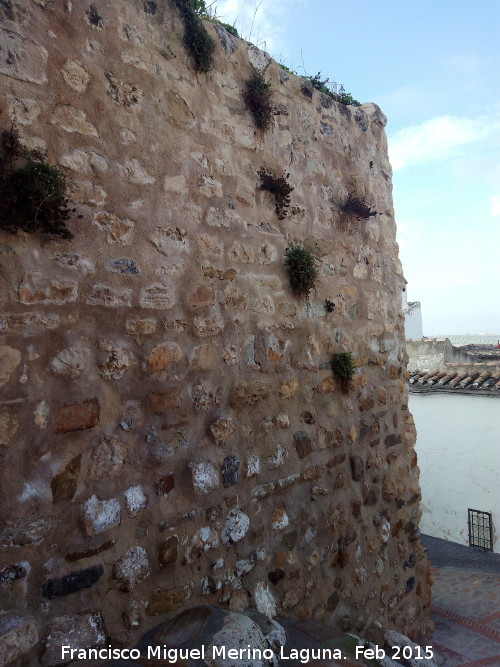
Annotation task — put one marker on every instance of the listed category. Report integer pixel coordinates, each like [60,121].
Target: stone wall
[171,433]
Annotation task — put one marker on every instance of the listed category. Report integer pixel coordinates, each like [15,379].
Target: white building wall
[413,323]
[458,447]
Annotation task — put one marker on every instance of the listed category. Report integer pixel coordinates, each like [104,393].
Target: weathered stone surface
[279,519]
[109,297]
[9,425]
[70,362]
[116,362]
[107,458]
[250,393]
[132,568]
[264,490]
[100,515]
[289,388]
[302,444]
[38,288]
[162,355]
[27,531]
[74,631]
[221,430]
[168,551]
[202,358]
[135,500]
[10,358]
[73,120]
[77,416]
[205,477]
[160,403]
[165,484]
[23,111]
[230,470]
[392,440]
[165,601]
[64,484]
[21,58]
[118,231]
[201,295]
[72,583]
[357,467]
[18,635]
[235,527]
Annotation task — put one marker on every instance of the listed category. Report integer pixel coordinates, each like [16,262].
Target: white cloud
[438,138]
[258,21]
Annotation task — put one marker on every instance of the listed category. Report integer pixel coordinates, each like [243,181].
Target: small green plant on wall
[196,38]
[279,187]
[257,97]
[32,191]
[302,268]
[343,370]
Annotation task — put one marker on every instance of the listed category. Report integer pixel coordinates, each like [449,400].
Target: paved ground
[465,604]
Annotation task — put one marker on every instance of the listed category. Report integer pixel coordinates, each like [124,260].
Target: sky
[433,66]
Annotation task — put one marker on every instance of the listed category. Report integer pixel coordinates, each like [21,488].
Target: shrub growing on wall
[279,187]
[343,370]
[32,191]
[302,269]
[257,97]
[357,206]
[196,38]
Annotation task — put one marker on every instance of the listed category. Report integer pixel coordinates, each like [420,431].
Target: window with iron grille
[480,530]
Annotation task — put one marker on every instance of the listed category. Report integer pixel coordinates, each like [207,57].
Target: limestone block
[140,327]
[18,635]
[135,500]
[205,477]
[75,75]
[203,357]
[76,632]
[222,430]
[23,110]
[250,393]
[157,296]
[168,551]
[119,231]
[107,458]
[124,94]
[279,519]
[208,326]
[72,120]
[21,58]
[164,601]
[100,515]
[235,527]
[10,359]
[288,388]
[257,58]
[133,172]
[132,568]
[109,297]
[85,192]
[201,295]
[162,356]
[40,288]
[70,362]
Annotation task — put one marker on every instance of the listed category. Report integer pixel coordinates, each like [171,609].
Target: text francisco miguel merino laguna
[211,652]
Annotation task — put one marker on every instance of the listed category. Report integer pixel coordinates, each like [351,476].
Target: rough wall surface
[170,429]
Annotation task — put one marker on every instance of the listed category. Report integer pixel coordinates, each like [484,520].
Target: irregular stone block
[264,490]
[21,58]
[85,192]
[157,296]
[118,231]
[162,355]
[110,297]
[72,583]
[289,388]
[250,393]
[107,458]
[205,477]
[208,326]
[9,361]
[160,403]
[100,515]
[202,358]
[12,573]
[26,531]
[23,111]
[235,527]
[165,601]
[39,288]
[279,519]
[133,172]
[165,484]
[74,632]
[201,295]
[140,327]
[123,93]
[72,120]
[132,568]
[135,500]
[168,551]
[18,635]
[74,556]
[75,75]
[70,363]
[9,425]
[302,444]
[221,430]
[64,484]
[357,468]
[77,416]
[117,361]
[230,470]
[392,440]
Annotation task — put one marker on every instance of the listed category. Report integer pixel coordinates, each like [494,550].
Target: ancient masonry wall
[171,433]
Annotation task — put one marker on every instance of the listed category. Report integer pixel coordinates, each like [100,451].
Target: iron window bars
[480,530]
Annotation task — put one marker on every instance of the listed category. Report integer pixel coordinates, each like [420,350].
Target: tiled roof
[463,381]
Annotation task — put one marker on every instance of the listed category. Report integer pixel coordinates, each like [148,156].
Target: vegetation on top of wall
[32,191]
[343,370]
[196,38]
[257,97]
[302,268]
[279,187]
[353,205]
[320,84]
